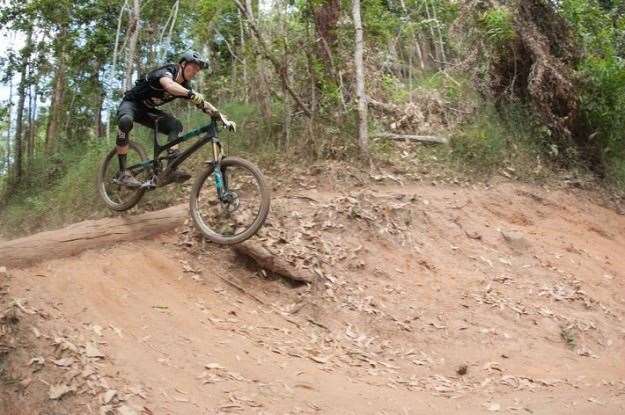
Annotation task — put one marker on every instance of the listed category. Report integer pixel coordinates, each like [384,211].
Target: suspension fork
[220,181]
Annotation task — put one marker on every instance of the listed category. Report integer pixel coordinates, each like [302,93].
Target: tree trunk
[97,80]
[133,37]
[441,42]
[32,125]
[326,16]
[18,128]
[21,92]
[425,139]
[114,65]
[88,235]
[262,90]
[253,249]
[242,35]
[8,156]
[28,121]
[363,139]
[415,39]
[266,52]
[234,74]
[99,126]
[56,105]
[286,127]
[437,51]
[68,119]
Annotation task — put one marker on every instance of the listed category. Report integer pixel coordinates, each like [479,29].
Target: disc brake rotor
[230,202]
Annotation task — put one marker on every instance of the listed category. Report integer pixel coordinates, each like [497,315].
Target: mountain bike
[229,199]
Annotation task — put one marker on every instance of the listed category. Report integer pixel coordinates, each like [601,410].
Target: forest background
[525,89]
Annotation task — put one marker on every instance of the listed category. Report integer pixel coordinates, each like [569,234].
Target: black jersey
[148,89]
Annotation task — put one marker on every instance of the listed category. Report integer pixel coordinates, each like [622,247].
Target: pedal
[149,184]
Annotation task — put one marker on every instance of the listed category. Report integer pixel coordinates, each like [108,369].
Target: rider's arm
[173,87]
[178,90]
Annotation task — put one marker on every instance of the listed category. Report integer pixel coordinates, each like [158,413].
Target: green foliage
[481,145]
[71,196]
[603,100]
[378,21]
[498,26]
[600,30]
[596,28]
[394,88]
[510,137]
[247,87]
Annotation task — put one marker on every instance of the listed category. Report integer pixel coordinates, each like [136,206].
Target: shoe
[125,178]
[149,184]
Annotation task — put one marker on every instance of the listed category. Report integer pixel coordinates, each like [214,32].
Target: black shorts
[129,112]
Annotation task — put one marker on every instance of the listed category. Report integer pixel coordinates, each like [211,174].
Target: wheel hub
[230,202]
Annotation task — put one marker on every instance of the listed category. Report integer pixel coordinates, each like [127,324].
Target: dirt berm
[425,300]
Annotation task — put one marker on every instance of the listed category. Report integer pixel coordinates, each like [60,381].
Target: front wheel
[230,206]
[116,196]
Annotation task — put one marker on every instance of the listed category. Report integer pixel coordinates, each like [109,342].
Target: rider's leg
[172,127]
[125,117]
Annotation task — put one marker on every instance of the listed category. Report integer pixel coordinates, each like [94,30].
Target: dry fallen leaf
[492,406]
[97,329]
[321,359]
[38,360]
[66,361]
[108,396]
[126,410]
[117,330]
[92,351]
[106,410]
[59,390]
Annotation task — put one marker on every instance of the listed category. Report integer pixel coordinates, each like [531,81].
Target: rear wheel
[242,208]
[116,196]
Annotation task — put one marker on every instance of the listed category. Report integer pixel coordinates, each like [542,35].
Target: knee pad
[124,123]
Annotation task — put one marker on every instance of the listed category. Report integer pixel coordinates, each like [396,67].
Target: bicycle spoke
[239,206]
[116,194]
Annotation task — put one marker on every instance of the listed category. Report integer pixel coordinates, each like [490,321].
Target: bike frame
[210,135]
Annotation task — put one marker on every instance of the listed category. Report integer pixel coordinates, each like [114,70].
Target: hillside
[429,299]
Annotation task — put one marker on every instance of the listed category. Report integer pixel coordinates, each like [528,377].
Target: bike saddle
[154,117]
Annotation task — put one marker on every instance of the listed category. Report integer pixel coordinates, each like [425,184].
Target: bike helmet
[193,57]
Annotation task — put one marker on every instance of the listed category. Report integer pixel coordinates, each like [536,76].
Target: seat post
[157,149]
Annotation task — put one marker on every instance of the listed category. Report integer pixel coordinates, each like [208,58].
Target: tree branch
[280,70]
[426,139]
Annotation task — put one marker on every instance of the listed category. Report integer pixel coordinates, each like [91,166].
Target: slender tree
[363,138]
[9,124]
[55,117]
[19,119]
[134,22]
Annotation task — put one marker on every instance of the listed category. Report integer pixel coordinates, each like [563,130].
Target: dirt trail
[430,300]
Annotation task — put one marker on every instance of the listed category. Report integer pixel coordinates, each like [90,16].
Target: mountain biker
[159,87]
